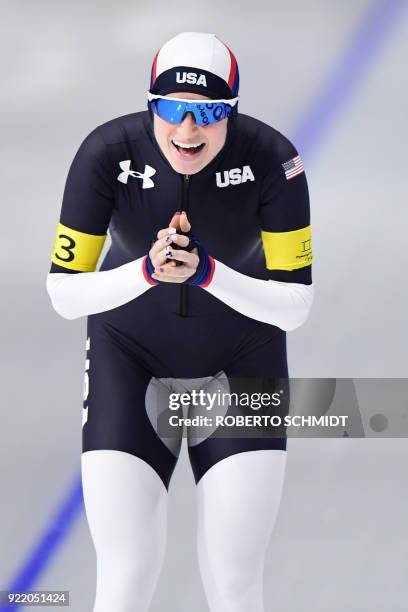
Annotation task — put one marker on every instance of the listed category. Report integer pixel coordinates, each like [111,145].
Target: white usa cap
[196,62]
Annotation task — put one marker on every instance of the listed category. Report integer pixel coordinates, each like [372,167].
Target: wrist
[205,269]
[148,271]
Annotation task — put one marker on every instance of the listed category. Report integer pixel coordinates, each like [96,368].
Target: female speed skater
[209,267]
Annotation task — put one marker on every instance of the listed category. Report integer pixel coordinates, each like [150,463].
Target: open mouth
[188,151]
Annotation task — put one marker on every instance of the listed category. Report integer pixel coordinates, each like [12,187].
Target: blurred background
[329,75]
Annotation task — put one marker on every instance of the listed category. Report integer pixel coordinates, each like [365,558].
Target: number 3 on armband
[67,249]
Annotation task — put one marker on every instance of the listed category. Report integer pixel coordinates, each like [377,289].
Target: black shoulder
[107,142]
[266,141]
[123,129]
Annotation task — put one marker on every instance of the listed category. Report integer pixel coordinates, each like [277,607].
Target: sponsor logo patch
[145,176]
[192,78]
[235,176]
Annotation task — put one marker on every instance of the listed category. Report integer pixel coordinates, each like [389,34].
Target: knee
[238,587]
[131,568]
[124,584]
[237,582]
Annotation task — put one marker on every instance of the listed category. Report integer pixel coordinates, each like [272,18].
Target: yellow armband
[77,250]
[288,250]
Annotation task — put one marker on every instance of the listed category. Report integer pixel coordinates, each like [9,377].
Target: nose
[188,124]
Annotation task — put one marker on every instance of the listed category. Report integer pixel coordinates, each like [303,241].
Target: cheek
[217,136]
[162,130]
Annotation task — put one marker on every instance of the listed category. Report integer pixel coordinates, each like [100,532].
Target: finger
[161,243]
[175,221]
[166,231]
[159,258]
[173,271]
[187,257]
[185,225]
[169,256]
[167,264]
[171,278]
[180,240]
[166,279]
[166,241]
[180,270]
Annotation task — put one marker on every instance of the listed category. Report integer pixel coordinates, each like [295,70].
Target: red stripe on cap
[233,68]
[211,274]
[154,67]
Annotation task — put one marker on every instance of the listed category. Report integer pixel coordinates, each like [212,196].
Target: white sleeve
[86,293]
[285,305]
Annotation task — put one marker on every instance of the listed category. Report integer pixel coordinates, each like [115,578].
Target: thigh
[239,500]
[263,369]
[126,508]
[123,401]
[124,500]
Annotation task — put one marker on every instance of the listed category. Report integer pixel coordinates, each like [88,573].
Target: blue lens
[205,113]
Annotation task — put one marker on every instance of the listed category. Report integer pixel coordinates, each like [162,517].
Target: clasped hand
[162,249]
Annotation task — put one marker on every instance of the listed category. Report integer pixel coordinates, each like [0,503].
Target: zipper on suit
[184,206]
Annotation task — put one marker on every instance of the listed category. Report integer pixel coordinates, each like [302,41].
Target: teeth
[186,146]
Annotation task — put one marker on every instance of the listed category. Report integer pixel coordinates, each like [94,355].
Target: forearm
[285,305]
[86,293]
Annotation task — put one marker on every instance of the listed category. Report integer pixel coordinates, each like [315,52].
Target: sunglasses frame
[232,101]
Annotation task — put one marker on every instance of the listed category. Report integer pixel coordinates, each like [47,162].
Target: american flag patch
[293,167]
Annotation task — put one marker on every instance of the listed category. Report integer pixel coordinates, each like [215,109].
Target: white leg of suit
[238,501]
[126,508]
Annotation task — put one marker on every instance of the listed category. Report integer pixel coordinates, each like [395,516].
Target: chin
[187,168]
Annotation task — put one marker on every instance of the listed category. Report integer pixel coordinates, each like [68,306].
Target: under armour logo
[148,172]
